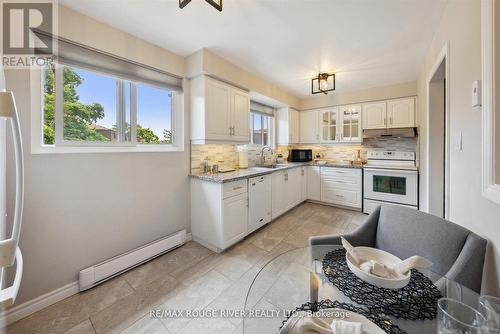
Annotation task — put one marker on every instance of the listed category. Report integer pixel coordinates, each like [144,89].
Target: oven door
[389,185]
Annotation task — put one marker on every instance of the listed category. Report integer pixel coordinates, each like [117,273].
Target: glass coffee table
[296,277]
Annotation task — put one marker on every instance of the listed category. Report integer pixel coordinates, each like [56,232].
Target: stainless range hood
[392,133]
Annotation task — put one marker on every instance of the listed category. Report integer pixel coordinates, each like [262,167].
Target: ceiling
[367,43]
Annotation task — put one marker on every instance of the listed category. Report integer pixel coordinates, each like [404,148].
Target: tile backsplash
[340,153]
[226,155]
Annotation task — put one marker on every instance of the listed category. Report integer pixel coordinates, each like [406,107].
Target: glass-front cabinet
[350,118]
[341,124]
[329,125]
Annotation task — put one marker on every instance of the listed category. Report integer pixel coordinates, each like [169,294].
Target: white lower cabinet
[342,186]
[234,220]
[279,193]
[314,183]
[224,213]
[219,213]
[303,184]
[286,190]
[259,202]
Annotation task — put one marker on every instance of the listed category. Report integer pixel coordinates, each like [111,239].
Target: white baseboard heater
[108,269]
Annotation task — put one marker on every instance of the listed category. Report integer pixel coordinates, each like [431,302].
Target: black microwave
[300,155]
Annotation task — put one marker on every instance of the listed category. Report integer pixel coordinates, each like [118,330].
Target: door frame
[444,55]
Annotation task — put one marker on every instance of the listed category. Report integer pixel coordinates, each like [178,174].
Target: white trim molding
[443,55]
[21,311]
[491,189]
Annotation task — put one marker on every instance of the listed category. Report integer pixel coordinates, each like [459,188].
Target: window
[154,115]
[261,129]
[88,108]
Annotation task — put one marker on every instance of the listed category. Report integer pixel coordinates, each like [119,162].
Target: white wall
[84,208]
[461,26]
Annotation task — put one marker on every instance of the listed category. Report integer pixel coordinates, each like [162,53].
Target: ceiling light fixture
[217,4]
[323,83]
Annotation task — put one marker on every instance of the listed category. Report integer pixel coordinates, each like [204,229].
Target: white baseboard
[23,310]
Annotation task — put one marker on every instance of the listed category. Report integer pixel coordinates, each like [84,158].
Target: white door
[259,202]
[329,125]
[240,115]
[401,113]
[234,219]
[303,184]
[349,123]
[375,115]
[314,183]
[309,126]
[218,110]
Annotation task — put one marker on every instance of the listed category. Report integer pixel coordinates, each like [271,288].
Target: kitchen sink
[274,166]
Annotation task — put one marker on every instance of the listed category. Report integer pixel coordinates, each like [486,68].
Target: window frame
[64,146]
[270,118]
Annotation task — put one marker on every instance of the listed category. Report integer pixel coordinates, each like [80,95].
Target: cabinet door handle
[260,181]
[339,196]
[236,188]
[253,184]
[261,220]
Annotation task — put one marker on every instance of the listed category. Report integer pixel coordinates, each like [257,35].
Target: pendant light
[323,83]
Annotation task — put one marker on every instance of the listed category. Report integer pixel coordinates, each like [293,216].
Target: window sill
[105,149]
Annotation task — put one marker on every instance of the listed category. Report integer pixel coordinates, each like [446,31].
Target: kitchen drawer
[342,181]
[340,172]
[234,188]
[347,197]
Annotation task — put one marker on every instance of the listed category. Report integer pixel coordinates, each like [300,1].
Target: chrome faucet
[262,156]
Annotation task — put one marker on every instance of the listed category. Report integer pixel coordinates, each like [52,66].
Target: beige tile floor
[190,277]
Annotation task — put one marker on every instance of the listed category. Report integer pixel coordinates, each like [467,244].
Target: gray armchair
[456,252]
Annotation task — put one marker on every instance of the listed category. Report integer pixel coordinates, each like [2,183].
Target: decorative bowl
[382,257]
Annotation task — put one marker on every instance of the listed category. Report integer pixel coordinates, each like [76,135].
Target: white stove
[391,160]
[390,177]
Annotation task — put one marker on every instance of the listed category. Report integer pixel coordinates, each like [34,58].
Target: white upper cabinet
[219,112]
[350,130]
[375,115]
[309,123]
[240,115]
[328,125]
[287,125]
[340,124]
[398,113]
[401,113]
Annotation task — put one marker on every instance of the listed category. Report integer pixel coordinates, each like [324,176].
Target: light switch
[476,93]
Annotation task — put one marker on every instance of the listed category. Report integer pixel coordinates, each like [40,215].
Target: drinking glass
[455,317]
[489,307]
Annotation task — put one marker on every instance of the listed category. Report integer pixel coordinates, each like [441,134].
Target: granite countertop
[258,171]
